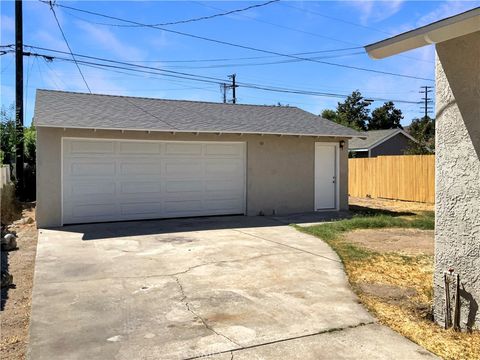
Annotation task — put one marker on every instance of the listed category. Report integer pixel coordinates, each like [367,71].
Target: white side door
[326,182]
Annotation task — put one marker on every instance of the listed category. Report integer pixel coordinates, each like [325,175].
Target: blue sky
[284,27]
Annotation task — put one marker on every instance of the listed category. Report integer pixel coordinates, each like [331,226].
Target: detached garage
[111,158]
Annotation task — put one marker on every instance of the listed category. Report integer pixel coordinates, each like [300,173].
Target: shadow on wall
[472,308]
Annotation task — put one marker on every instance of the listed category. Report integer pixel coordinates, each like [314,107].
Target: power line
[241,46]
[334,18]
[208,17]
[214,80]
[249,57]
[311,33]
[66,42]
[126,63]
[281,26]
[262,63]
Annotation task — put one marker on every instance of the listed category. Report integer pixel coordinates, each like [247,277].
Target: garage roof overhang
[342,136]
[442,30]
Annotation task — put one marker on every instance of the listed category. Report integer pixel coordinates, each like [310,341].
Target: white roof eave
[440,31]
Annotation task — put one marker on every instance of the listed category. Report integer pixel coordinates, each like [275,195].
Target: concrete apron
[183,289]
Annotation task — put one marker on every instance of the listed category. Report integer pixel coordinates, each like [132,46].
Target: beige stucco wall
[457,228]
[280,170]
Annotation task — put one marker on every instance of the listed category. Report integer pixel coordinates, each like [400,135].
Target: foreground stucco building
[457,229]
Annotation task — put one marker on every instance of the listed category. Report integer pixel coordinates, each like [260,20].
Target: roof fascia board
[442,30]
[204,132]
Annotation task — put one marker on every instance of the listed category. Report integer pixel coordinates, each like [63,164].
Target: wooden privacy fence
[404,177]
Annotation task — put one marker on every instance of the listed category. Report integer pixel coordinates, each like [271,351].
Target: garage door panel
[141,208]
[177,207]
[95,169]
[223,149]
[224,185]
[222,204]
[140,187]
[183,149]
[88,211]
[139,168]
[216,167]
[179,186]
[90,188]
[136,148]
[82,147]
[183,168]
[134,180]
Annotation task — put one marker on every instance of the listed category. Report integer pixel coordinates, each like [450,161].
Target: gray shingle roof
[374,137]
[79,110]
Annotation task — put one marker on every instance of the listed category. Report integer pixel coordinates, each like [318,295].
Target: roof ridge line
[161,99]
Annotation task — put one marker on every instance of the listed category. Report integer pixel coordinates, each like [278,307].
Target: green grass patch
[332,232]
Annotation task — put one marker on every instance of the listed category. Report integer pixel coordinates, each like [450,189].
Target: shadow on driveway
[98,231]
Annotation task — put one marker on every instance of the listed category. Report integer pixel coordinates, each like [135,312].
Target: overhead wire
[283,3]
[246,47]
[66,42]
[281,26]
[216,80]
[186,21]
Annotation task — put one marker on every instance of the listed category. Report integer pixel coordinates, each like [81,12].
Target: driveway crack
[248,347]
[173,274]
[288,246]
[228,261]
[184,300]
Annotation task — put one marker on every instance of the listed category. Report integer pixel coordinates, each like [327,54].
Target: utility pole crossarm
[233,87]
[425,90]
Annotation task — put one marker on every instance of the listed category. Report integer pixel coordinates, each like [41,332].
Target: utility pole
[19,155]
[425,90]
[223,89]
[233,87]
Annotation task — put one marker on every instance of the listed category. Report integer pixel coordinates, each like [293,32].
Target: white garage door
[109,180]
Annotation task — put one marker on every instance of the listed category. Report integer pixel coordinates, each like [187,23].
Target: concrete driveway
[223,287]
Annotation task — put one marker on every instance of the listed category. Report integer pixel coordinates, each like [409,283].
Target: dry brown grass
[409,316]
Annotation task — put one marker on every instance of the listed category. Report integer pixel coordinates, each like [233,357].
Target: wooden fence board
[404,177]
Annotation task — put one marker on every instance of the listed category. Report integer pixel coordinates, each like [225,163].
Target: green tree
[30,143]
[386,116]
[8,138]
[423,130]
[329,114]
[8,135]
[354,112]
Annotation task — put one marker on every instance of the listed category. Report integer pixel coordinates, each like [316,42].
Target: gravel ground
[16,300]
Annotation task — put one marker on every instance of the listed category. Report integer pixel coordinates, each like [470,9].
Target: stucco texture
[457,230]
[280,169]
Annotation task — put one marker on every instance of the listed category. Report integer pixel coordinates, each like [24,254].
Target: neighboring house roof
[439,31]
[375,138]
[92,111]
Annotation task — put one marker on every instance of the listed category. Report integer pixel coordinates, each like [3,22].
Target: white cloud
[444,10]
[376,11]
[8,24]
[109,41]
[48,40]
